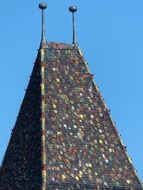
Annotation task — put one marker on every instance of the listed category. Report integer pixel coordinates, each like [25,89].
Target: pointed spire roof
[64,137]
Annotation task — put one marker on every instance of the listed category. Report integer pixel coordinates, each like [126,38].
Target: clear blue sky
[110,33]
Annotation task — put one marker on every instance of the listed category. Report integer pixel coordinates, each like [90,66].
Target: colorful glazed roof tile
[64,138]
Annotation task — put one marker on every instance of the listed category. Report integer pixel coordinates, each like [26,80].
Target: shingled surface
[21,167]
[83,149]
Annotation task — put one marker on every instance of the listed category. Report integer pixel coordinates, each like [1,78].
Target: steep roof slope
[21,167]
[83,149]
[64,137]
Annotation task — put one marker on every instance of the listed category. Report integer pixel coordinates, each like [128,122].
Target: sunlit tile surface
[63,111]
[83,147]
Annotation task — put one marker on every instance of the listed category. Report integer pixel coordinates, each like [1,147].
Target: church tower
[64,138]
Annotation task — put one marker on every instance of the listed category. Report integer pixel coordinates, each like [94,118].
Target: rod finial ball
[43,6]
[73,8]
